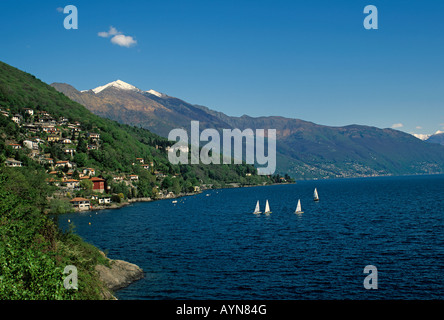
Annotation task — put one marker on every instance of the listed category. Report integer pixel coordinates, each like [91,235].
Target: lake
[211,246]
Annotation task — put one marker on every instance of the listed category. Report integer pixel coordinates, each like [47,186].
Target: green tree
[166,183]
[176,187]
[86,184]
[154,193]
[82,145]
[60,206]
[81,159]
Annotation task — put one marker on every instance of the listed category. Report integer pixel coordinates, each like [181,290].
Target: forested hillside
[48,144]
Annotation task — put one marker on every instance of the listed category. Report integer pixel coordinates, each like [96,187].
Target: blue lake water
[213,247]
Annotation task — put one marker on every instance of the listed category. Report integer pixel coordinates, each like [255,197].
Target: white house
[89,171]
[105,200]
[13,163]
[63,163]
[15,146]
[17,118]
[81,204]
[31,144]
[29,111]
[94,136]
[70,151]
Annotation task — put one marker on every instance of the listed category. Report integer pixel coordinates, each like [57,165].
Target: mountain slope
[438,137]
[141,109]
[304,149]
[120,144]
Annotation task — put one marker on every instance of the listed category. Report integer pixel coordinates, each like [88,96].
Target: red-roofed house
[98,184]
[71,183]
[15,146]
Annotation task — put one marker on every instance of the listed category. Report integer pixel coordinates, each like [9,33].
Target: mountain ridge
[305,150]
[437,137]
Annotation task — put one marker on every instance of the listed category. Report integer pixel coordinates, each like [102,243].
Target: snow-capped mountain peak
[157,94]
[118,84]
[122,85]
[427,136]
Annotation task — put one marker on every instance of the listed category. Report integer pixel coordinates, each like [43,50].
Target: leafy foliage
[33,252]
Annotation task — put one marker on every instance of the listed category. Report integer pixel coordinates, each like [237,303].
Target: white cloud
[112,32]
[123,41]
[397,125]
[118,37]
[418,127]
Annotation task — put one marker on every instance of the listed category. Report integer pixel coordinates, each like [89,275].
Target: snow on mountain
[154,92]
[119,84]
[427,136]
[421,136]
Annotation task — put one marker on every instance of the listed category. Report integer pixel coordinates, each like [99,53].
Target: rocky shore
[118,275]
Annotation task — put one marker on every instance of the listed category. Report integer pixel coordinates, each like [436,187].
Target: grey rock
[119,275]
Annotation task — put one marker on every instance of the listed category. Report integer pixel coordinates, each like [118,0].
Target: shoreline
[128,202]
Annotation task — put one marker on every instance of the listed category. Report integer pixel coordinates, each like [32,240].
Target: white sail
[257,209]
[267,207]
[298,208]
[315,195]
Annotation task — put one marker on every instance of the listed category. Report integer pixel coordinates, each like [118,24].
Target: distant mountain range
[305,150]
[437,137]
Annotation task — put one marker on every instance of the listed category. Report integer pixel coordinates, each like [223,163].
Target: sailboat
[257,210]
[298,208]
[315,195]
[267,207]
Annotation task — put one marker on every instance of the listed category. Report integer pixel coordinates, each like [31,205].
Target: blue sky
[311,60]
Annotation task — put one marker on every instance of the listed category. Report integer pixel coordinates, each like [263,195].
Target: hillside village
[67,148]
[56,143]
